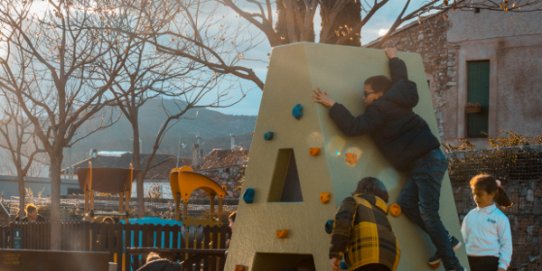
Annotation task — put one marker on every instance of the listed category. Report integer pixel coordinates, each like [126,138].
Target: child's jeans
[419,201]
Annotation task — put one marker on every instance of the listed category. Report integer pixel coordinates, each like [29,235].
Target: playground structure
[301,166]
[184,181]
[106,180]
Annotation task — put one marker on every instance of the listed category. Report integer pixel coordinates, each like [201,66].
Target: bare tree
[147,74]
[66,90]
[15,129]
[287,21]
[199,31]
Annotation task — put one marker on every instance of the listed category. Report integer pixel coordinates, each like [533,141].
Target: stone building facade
[510,44]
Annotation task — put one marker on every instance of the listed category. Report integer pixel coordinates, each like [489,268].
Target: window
[477,108]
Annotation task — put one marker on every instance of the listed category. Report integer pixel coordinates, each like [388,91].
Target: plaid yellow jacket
[363,234]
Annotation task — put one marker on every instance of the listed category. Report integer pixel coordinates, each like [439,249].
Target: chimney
[232,142]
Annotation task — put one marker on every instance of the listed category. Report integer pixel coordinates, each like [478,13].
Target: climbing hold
[314,151]
[394,209]
[351,159]
[329,226]
[297,111]
[343,265]
[268,135]
[325,197]
[239,267]
[283,233]
[248,196]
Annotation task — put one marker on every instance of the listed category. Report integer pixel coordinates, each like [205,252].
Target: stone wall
[520,171]
[428,38]
[448,41]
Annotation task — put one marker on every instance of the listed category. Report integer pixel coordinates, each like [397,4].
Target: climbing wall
[301,166]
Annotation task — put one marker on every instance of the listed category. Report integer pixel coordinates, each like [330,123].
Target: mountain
[214,128]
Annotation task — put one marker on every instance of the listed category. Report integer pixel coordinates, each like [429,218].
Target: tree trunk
[54,207]
[22,194]
[136,163]
[338,20]
[292,24]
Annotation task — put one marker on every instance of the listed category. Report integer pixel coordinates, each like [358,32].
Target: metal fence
[195,247]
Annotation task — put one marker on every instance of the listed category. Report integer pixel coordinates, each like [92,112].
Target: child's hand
[321,97]
[335,264]
[391,52]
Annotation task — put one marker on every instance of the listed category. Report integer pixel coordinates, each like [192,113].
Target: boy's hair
[489,184]
[232,216]
[29,208]
[373,186]
[379,83]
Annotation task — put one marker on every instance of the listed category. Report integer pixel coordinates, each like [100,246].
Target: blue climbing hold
[268,136]
[248,196]
[329,226]
[297,111]
[343,266]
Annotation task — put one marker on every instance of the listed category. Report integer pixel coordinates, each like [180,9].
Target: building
[226,167]
[484,69]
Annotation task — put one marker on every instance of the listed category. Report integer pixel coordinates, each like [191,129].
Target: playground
[301,167]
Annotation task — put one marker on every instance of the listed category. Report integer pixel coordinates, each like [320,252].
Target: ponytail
[501,198]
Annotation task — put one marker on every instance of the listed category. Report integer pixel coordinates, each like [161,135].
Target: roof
[219,158]
[160,167]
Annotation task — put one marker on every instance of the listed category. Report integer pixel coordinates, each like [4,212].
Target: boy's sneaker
[434,261]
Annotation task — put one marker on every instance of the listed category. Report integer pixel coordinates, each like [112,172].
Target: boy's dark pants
[419,201]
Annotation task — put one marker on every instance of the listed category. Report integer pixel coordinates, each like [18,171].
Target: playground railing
[201,247]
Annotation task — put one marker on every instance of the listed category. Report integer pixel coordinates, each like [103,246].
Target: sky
[251,103]
[257,59]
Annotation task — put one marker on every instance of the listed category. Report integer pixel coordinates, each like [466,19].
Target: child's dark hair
[488,183]
[373,186]
[379,83]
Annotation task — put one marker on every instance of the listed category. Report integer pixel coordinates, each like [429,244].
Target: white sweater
[486,232]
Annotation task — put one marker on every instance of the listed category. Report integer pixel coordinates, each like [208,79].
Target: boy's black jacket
[401,135]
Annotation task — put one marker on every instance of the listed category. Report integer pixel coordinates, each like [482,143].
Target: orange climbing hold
[281,234]
[351,159]
[325,197]
[314,151]
[394,209]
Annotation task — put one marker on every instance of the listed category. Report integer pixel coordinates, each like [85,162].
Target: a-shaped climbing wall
[299,160]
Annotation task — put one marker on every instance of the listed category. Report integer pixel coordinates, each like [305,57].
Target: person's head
[31,212]
[487,190]
[152,256]
[231,218]
[372,186]
[374,87]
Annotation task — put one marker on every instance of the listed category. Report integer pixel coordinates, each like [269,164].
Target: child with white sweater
[486,229]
